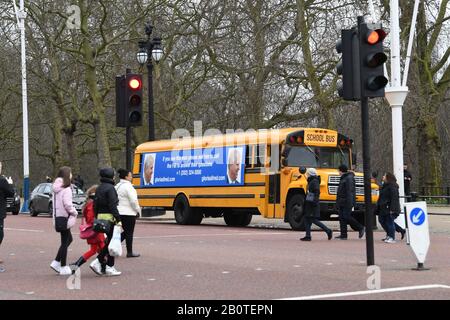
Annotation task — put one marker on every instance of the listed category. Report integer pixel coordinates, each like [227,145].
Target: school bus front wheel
[294,211]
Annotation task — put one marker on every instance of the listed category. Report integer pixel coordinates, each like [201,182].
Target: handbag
[310,197]
[86,230]
[102,226]
[61,224]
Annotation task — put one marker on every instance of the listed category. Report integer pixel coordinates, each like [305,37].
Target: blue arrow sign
[417,216]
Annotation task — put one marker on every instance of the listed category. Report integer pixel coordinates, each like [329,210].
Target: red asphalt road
[217,262]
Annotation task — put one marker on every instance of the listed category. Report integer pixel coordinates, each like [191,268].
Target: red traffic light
[134,83]
[375,36]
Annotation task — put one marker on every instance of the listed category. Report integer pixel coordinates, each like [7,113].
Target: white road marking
[394,261]
[188,275]
[367,292]
[114,283]
[41,251]
[152,279]
[24,230]
[296,266]
[12,254]
[329,263]
[259,269]
[225,272]
[29,292]
[213,235]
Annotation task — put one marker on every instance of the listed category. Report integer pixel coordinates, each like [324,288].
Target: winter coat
[106,199]
[346,194]
[89,216]
[312,209]
[128,200]
[388,201]
[62,202]
[6,191]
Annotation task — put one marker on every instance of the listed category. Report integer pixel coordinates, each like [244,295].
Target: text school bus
[236,176]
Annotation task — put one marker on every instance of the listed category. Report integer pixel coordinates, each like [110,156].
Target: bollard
[414,196]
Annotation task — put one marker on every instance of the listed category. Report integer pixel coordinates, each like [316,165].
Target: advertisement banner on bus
[219,166]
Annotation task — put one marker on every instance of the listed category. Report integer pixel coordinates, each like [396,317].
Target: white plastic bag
[115,245]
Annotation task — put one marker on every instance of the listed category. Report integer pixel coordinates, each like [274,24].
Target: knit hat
[107,173]
[311,172]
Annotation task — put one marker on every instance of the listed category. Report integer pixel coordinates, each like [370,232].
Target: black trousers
[66,240]
[103,256]
[128,223]
[2,221]
[345,217]
[308,223]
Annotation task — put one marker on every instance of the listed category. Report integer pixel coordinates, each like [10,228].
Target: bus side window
[140,163]
[248,156]
[260,155]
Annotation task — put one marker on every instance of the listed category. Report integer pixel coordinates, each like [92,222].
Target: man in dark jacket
[407,181]
[6,191]
[105,206]
[345,201]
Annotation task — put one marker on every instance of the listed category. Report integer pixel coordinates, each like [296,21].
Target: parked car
[41,199]
[13,203]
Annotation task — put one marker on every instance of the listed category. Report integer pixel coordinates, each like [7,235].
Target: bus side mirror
[354,159]
[302,170]
[284,162]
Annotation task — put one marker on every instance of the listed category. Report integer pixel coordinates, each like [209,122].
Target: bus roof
[268,136]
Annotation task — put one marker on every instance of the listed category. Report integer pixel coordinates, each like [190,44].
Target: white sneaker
[56,266]
[96,267]
[65,271]
[389,240]
[111,271]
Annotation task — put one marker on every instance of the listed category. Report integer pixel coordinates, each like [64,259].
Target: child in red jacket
[97,243]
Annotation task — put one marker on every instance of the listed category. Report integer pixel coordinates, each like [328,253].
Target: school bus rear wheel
[184,213]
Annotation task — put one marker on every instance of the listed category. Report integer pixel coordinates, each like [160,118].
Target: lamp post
[149,50]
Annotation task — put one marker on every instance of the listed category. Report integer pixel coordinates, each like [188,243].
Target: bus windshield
[317,157]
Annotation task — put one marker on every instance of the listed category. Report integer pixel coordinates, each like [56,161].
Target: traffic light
[371,36]
[133,100]
[348,67]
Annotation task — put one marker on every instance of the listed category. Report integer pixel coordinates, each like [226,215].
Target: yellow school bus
[238,175]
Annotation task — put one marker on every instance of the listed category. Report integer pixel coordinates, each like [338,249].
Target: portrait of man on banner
[234,161]
[148,169]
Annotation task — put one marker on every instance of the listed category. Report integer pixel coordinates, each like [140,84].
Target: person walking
[63,207]
[407,182]
[97,243]
[312,207]
[6,191]
[345,201]
[129,209]
[105,208]
[388,206]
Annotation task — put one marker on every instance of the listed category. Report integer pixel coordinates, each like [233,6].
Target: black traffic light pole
[128,140]
[366,161]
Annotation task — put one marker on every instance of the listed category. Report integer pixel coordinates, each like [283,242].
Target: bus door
[273,181]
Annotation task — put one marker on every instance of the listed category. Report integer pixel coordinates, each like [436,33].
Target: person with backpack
[105,207]
[65,217]
[129,209]
[312,207]
[6,191]
[345,201]
[97,241]
[388,206]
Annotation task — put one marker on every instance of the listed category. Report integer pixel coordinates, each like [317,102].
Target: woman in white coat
[129,209]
